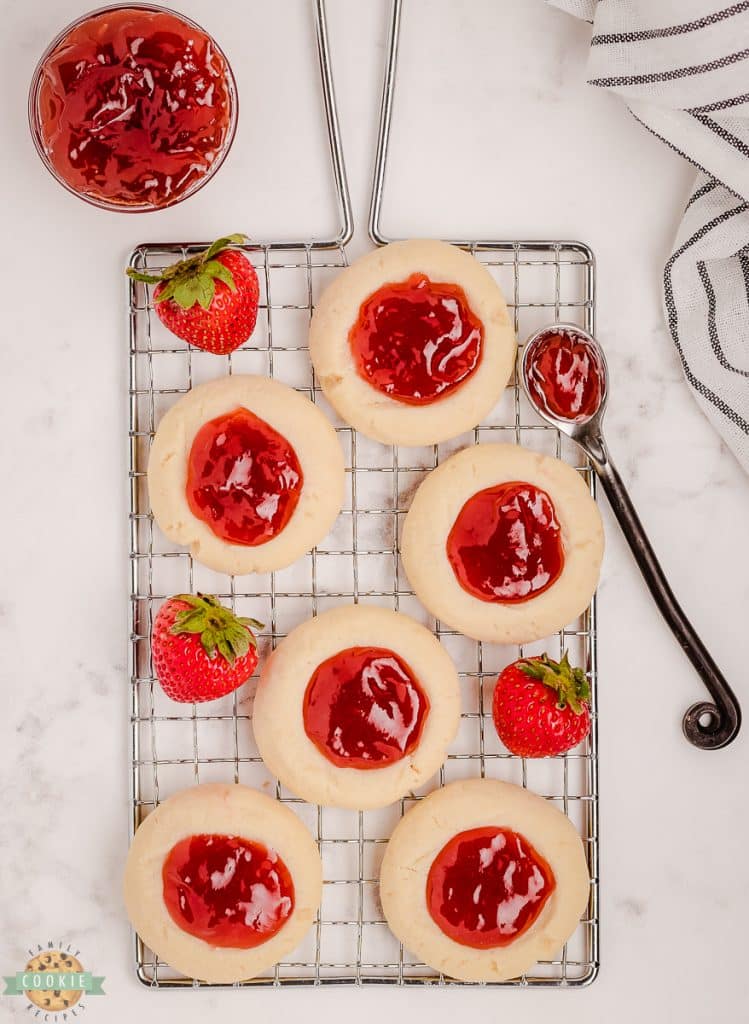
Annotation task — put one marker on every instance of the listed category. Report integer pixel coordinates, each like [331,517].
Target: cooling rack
[174,746]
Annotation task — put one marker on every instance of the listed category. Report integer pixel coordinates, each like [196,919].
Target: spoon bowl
[578,426]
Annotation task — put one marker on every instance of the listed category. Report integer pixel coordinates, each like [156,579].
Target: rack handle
[383,132]
[335,143]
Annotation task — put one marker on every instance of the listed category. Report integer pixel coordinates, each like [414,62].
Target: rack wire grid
[174,746]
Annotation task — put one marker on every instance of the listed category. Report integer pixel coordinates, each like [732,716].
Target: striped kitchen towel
[682,67]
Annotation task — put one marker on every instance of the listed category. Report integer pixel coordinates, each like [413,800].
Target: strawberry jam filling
[416,340]
[565,375]
[243,478]
[227,890]
[363,708]
[506,544]
[134,106]
[487,886]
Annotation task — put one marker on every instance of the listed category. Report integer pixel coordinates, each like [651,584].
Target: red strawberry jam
[565,375]
[243,478]
[227,890]
[506,544]
[363,708]
[416,340]
[134,107]
[487,886]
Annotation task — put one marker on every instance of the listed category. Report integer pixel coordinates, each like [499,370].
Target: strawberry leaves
[570,684]
[193,280]
[223,243]
[221,631]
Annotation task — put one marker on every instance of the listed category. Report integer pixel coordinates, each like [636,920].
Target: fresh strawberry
[200,649]
[210,299]
[541,707]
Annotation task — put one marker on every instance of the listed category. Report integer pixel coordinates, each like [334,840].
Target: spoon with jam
[565,375]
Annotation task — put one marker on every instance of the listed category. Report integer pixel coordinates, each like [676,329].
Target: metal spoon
[707,725]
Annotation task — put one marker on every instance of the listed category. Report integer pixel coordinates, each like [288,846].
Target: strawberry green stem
[570,684]
[194,279]
[221,631]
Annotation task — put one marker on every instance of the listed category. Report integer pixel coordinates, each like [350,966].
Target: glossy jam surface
[506,544]
[363,708]
[416,340]
[487,886]
[243,478]
[134,107]
[565,375]
[226,890]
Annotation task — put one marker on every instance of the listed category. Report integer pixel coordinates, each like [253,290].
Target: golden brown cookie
[282,710]
[378,408]
[524,498]
[516,897]
[241,820]
[287,412]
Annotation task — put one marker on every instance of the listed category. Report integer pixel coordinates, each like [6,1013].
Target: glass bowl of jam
[133,107]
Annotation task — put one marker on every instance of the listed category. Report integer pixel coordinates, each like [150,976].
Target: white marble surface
[541,154]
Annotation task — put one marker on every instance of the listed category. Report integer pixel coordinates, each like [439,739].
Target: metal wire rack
[174,746]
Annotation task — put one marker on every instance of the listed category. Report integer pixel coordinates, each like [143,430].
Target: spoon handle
[707,725]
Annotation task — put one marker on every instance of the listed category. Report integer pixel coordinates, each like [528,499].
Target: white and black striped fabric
[682,67]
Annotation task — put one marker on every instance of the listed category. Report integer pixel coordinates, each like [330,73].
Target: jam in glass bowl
[133,107]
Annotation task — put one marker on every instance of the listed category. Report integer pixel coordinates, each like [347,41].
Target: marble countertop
[496,134]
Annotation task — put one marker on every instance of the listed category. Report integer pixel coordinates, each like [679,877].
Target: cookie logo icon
[56,999]
[54,981]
